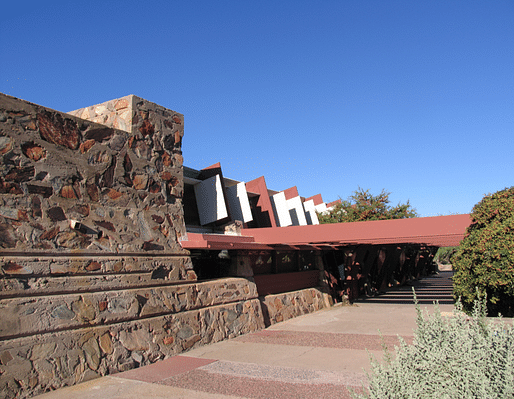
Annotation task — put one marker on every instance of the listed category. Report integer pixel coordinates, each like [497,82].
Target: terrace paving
[319,355]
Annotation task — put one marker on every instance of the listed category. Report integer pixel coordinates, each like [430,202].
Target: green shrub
[362,206]
[484,262]
[451,357]
[444,254]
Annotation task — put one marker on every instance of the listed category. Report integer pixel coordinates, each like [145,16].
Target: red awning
[440,231]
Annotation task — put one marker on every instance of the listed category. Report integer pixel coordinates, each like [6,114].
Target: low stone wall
[196,314]
[25,316]
[281,307]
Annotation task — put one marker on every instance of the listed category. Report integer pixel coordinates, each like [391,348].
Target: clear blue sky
[410,96]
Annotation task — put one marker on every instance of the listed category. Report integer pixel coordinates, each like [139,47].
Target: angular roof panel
[436,231]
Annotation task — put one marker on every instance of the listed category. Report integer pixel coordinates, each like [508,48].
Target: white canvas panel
[210,200]
[310,212]
[281,209]
[321,207]
[238,202]
[296,211]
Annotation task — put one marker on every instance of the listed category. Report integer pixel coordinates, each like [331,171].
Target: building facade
[113,255]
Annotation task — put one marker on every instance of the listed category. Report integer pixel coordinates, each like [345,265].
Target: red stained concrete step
[164,369]
[253,388]
[323,340]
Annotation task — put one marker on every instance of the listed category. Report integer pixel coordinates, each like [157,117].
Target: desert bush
[458,356]
[484,261]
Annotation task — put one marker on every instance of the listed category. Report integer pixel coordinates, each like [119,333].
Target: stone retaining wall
[282,307]
[51,275]
[25,316]
[68,184]
[196,314]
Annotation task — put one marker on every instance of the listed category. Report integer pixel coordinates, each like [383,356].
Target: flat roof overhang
[439,231]
[222,241]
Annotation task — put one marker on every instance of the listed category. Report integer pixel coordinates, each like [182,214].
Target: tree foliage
[362,205]
[444,255]
[484,262]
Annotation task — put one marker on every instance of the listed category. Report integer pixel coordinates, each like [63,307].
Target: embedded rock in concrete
[90,216]
[63,165]
[92,352]
[33,151]
[106,343]
[56,129]
[281,307]
[71,356]
[138,340]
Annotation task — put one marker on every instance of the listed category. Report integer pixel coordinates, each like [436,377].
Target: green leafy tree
[362,205]
[444,255]
[484,262]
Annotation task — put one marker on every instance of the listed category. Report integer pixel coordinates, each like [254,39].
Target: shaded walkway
[319,355]
[437,287]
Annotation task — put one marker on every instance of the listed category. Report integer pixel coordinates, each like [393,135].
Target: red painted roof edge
[214,166]
[316,198]
[440,231]
[291,192]
[221,241]
[415,230]
[255,183]
[333,203]
[259,186]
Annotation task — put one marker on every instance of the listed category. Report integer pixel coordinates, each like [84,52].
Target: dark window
[262,262]
[191,216]
[307,260]
[286,262]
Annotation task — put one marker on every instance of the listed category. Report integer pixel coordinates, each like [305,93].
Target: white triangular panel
[296,211]
[238,202]
[281,209]
[310,212]
[210,200]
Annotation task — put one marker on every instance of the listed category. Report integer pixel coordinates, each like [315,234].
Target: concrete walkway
[319,355]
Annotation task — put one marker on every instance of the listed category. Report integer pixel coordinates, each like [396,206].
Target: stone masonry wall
[69,185]
[93,279]
[97,334]
[281,307]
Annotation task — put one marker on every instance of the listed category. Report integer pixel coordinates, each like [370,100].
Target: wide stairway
[430,289]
